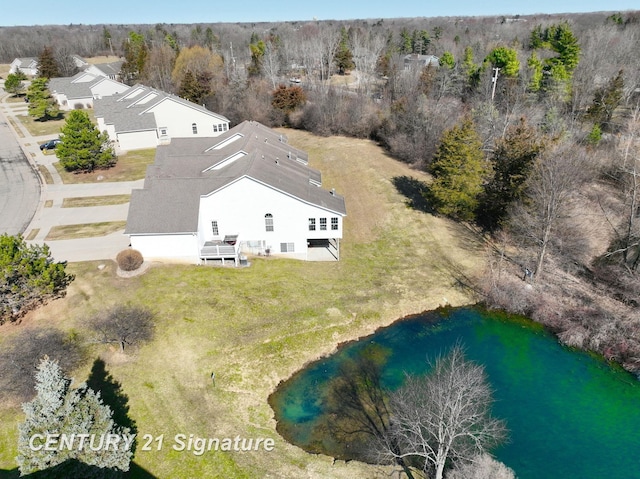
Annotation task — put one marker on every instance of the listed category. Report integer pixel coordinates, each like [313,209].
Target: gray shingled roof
[179,177]
[112,68]
[27,61]
[72,89]
[127,116]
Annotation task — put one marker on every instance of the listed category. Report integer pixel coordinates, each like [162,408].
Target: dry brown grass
[84,201]
[102,59]
[89,230]
[46,174]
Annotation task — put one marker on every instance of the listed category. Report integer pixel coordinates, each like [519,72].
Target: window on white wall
[334,223]
[268,222]
[215,128]
[312,224]
[214,228]
[286,248]
[323,224]
[194,128]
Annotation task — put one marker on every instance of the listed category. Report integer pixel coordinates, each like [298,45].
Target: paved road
[19,184]
[30,207]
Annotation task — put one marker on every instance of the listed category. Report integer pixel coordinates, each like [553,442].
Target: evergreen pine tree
[458,169]
[343,56]
[58,409]
[606,99]
[190,89]
[47,65]
[42,106]
[83,147]
[512,161]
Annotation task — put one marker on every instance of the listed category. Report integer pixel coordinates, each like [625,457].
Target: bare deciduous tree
[551,189]
[481,467]
[627,177]
[123,324]
[443,416]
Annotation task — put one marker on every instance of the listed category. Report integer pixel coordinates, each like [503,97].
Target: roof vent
[277,162]
[333,191]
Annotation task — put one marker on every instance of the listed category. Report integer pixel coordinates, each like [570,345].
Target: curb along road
[23,195]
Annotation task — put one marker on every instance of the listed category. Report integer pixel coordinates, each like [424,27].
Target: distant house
[143,117]
[80,62]
[246,192]
[80,90]
[27,65]
[415,61]
[110,70]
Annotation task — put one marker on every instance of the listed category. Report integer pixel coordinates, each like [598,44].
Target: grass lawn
[82,201]
[48,179]
[16,98]
[256,326]
[129,167]
[84,230]
[49,127]
[42,128]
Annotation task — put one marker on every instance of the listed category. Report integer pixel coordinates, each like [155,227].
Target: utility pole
[495,82]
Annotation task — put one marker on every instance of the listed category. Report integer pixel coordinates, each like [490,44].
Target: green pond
[570,415]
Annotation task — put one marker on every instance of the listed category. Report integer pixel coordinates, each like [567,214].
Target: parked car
[51,144]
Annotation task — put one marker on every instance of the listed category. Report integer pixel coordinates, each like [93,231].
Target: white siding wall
[108,88]
[240,209]
[180,118]
[14,66]
[85,103]
[171,248]
[137,140]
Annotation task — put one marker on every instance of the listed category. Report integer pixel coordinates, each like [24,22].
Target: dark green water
[570,415]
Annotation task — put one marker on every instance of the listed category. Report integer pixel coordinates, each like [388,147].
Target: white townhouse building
[246,192]
[143,117]
[26,65]
[80,90]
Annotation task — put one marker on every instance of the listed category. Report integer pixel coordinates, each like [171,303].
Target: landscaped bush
[129,259]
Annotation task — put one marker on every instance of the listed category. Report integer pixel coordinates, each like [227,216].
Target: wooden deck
[219,250]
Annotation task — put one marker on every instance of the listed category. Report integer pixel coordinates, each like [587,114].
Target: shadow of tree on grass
[111,393]
[415,191]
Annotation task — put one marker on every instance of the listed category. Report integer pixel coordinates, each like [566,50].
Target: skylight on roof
[226,142]
[227,161]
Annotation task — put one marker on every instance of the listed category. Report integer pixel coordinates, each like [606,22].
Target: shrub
[129,259]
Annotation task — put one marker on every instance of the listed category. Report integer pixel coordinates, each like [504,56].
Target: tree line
[527,124]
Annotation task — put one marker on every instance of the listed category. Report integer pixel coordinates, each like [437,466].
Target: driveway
[32,207]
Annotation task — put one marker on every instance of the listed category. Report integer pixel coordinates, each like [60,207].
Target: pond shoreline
[300,394]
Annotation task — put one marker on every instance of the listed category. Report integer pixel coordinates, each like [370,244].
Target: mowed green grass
[256,326]
[130,166]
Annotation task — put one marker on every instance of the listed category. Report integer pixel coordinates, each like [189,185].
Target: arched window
[194,128]
[268,222]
